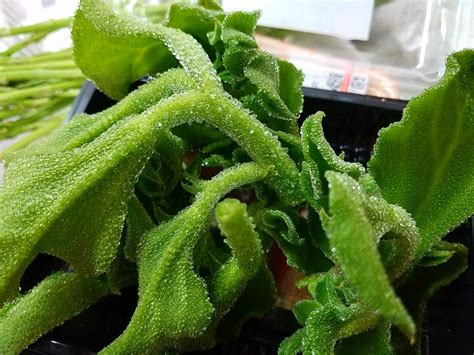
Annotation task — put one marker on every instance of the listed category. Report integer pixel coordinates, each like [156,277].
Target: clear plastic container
[405,52]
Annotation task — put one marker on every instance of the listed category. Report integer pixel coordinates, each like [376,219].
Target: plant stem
[4,114]
[49,26]
[17,75]
[49,56]
[35,37]
[25,122]
[43,90]
[72,93]
[33,102]
[53,64]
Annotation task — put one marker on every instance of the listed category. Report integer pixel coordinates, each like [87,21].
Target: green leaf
[325,327]
[173,301]
[216,161]
[197,21]
[284,225]
[311,185]
[210,5]
[228,282]
[270,87]
[320,157]
[237,124]
[295,237]
[165,168]
[198,135]
[353,237]
[257,300]
[439,254]
[293,144]
[121,273]
[423,282]
[425,163]
[264,72]
[247,255]
[83,128]
[129,49]
[138,224]
[236,44]
[238,28]
[56,179]
[292,345]
[291,81]
[303,309]
[320,331]
[54,300]
[112,158]
[374,341]
[329,317]
[72,203]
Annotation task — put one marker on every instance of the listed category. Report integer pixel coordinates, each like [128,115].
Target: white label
[358,84]
[335,79]
[347,19]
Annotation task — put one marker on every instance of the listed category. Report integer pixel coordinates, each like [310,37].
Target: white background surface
[347,19]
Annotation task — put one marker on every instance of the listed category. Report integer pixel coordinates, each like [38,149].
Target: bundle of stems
[37,90]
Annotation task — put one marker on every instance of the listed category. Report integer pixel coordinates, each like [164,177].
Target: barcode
[358,84]
[334,81]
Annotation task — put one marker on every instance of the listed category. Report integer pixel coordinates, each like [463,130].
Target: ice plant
[121,199]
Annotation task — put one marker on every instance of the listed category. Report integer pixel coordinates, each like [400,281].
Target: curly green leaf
[354,243]
[173,301]
[425,162]
[130,48]
[56,299]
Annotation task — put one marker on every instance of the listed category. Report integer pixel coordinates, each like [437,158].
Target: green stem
[30,84]
[29,120]
[43,90]
[48,26]
[4,114]
[46,74]
[69,94]
[29,103]
[34,38]
[40,58]
[52,64]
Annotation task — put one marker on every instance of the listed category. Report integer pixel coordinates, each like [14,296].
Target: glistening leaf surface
[227,115]
[57,200]
[319,157]
[130,48]
[425,163]
[173,301]
[54,300]
[247,255]
[231,278]
[354,241]
[330,316]
[83,128]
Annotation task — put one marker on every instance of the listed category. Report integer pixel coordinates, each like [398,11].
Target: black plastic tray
[352,124]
